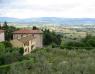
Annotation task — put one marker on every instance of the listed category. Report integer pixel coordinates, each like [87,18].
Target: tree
[50,38]
[8,31]
[47,37]
[2,46]
[7,44]
[0,26]
[21,51]
[5,26]
[62,44]
[35,28]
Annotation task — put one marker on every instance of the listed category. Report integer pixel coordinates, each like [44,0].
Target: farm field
[76,34]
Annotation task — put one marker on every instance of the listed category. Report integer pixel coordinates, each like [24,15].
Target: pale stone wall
[16,43]
[38,40]
[27,48]
[2,37]
[18,36]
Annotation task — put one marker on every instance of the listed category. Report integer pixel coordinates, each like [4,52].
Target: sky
[47,8]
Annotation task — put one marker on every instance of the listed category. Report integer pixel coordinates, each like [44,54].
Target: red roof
[1,31]
[27,31]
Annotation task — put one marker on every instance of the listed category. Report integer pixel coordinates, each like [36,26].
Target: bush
[7,44]
[88,43]
[50,38]
[4,69]
[54,61]
[21,51]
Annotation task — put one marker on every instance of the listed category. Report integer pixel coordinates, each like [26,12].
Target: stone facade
[28,46]
[28,39]
[2,35]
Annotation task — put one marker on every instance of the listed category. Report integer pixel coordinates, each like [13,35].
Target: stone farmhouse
[28,39]
[2,35]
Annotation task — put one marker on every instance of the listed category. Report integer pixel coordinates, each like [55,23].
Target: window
[21,35]
[25,50]
[24,44]
[32,46]
[28,49]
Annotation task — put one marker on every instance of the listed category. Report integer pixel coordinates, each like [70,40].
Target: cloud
[51,8]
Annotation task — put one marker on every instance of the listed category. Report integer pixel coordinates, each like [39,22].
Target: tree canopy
[8,31]
[51,38]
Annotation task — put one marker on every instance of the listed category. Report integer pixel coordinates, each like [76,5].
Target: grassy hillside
[54,61]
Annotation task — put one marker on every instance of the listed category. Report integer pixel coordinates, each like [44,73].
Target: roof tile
[27,31]
[1,31]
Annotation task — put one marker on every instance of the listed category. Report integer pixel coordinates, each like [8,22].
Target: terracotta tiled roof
[27,31]
[1,31]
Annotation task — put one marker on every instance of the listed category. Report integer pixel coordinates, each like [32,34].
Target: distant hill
[8,19]
[50,20]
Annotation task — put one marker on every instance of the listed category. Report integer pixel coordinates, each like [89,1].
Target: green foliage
[21,51]
[54,61]
[4,69]
[51,38]
[35,28]
[2,46]
[88,42]
[5,25]
[7,44]
[10,55]
[8,31]
[62,44]
[0,26]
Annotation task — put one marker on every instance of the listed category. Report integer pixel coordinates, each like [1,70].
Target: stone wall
[38,40]
[2,37]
